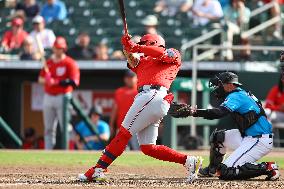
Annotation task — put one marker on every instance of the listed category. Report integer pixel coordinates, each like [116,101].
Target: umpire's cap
[96,110]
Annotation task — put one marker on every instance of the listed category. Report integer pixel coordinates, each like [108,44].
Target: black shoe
[206,172]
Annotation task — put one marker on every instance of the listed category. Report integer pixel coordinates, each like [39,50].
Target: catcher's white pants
[145,114]
[52,113]
[246,149]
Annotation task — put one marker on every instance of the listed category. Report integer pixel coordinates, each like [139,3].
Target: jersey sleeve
[171,56]
[232,102]
[74,72]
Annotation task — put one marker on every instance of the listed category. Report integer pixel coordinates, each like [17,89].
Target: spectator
[92,139]
[150,22]
[53,10]
[82,49]
[28,52]
[274,105]
[117,55]
[276,11]
[101,52]
[31,141]
[14,38]
[27,8]
[171,7]
[46,36]
[224,3]
[275,101]
[206,11]
[123,99]
[237,16]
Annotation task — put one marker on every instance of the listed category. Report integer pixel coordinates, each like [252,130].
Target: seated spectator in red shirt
[31,141]
[275,102]
[14,38]
[101,52]
[28,8]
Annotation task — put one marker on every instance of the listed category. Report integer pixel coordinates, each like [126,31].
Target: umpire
[250,142]
[60,78]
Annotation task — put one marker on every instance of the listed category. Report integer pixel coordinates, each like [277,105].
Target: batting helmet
[60,43]
[152,40]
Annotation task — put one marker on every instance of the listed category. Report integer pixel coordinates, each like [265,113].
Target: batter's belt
[147,87]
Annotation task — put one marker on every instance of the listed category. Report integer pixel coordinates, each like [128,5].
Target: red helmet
[152,40]
[60,43]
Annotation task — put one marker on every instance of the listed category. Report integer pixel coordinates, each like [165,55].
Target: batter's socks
[163,153]
[115,148]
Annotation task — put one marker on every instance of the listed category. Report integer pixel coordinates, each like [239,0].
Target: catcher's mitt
[179,110]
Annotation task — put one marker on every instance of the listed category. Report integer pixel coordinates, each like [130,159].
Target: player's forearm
[214,113]
[41,80]
[104,137]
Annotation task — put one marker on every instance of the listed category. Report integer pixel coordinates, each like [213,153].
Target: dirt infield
[118,177]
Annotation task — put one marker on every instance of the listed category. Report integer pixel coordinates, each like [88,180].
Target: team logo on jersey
[60,71]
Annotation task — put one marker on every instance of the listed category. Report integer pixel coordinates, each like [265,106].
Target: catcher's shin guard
[216,157]
[248,170]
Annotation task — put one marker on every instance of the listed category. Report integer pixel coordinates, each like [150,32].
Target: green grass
[60,158]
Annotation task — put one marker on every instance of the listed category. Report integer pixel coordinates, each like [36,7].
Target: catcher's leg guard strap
[115,148]
[164,153]
[246,171]
[216,157]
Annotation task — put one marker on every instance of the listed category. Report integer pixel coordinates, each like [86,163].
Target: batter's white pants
[246,149]
[52,113]
[145,114]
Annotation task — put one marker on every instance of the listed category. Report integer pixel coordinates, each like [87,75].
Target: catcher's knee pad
[246,171]
[216,143]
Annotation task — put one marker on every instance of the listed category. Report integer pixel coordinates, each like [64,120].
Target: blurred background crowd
[93,28]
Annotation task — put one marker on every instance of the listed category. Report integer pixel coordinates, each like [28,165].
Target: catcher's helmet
[152,40]
[217,83]
[60,43]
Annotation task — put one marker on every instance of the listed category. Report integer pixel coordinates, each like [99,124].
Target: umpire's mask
[216,84]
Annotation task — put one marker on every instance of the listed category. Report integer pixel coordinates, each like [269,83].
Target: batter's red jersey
[154,71]
[123,97]
[64,69]
[274,99]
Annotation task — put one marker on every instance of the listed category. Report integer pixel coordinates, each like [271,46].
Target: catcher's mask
[216,84]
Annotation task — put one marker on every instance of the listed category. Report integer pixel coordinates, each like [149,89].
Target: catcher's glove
[180,110]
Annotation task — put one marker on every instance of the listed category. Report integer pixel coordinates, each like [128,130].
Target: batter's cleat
[93,174]
[193,164]
[206,172]
[273,171]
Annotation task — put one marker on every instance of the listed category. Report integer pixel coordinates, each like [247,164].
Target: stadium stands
[101,19]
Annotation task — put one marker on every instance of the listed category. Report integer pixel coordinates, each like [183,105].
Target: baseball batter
[250,142]
[59,79]
[156,68]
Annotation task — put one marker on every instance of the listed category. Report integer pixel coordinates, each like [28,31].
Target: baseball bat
[123,15]
[41,52]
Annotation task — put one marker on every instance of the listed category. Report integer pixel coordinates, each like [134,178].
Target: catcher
[250,142]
